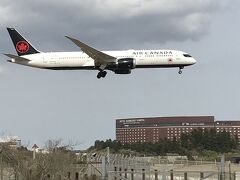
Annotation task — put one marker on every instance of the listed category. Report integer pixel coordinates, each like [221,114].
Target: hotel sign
[131,121]
[193,124]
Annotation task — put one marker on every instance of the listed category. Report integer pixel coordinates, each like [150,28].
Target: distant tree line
[198,140]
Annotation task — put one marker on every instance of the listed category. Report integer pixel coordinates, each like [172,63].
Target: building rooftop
[165,121]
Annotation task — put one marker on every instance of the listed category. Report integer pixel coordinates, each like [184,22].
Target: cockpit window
[187,55]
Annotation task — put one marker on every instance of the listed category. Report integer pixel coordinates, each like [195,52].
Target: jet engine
[124,65]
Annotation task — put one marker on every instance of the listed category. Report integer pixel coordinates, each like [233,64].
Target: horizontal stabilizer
[17,58]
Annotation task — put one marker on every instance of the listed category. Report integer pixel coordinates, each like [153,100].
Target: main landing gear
[101,74]
[180,70]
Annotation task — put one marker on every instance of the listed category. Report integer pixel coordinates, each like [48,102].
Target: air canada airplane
[120,62]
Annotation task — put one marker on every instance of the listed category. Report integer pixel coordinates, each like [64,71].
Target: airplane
[120,62]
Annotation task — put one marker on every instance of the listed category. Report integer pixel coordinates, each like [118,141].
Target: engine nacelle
[122,71]
[124,65]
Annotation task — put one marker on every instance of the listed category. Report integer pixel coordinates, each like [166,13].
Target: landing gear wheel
[99,75]
[104,73]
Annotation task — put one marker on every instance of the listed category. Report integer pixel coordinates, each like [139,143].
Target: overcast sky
[38,105]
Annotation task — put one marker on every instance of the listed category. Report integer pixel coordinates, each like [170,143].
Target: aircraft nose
[193,61]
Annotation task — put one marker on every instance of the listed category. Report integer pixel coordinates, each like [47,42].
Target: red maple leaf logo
[22,47]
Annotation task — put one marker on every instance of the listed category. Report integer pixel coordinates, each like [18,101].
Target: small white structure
[34,148]
[12,141]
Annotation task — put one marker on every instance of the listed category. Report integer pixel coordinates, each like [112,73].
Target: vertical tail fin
[22,46]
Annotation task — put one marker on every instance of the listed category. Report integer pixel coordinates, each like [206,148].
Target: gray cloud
[122,24]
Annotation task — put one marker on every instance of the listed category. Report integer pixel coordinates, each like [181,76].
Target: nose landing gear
[180,70]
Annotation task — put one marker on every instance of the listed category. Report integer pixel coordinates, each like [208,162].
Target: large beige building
[152,129]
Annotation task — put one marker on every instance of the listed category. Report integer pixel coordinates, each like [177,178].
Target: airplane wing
[100,58]
[17,58]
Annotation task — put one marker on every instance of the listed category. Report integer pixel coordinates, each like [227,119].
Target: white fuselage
[80,60]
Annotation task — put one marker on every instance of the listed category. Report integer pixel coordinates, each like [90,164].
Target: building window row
[131,129]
